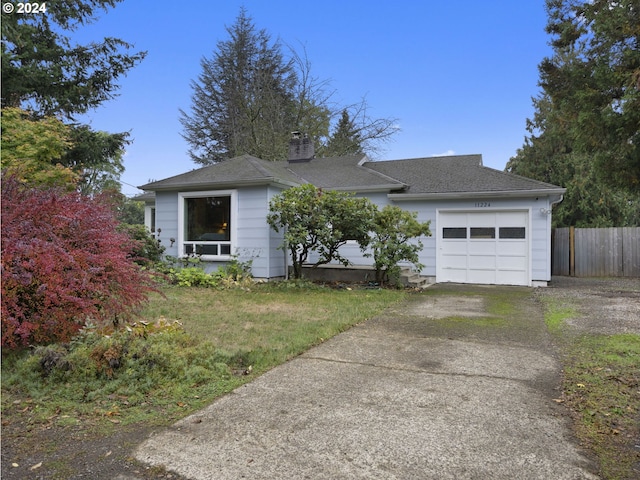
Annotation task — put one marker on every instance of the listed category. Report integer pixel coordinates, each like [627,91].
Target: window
[207,224]
[512,232]
[457,232]
[483,232]
[150,218]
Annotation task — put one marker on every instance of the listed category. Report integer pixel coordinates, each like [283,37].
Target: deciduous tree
[32,149]
[63,264]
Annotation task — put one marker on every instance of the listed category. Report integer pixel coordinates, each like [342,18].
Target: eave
[272,181]
[398,197]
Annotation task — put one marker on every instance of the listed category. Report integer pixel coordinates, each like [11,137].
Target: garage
[488,247]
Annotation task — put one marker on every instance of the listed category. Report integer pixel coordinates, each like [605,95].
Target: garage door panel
[512,248]
[456,262]
[456,275]
[481,276]
[511,263]
[509,278]
[511,219]
[484,247]
[483,262]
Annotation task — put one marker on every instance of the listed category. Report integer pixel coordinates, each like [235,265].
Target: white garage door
[483,247]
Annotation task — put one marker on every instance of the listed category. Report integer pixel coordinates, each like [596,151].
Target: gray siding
[256,240]
[539,231]
[167,221]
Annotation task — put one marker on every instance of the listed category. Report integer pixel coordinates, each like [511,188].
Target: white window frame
[233,194]
[150,218]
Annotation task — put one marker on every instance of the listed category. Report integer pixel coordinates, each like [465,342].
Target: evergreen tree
[346,139]
[243,101]
[45,74]
[586,127]
[249,97]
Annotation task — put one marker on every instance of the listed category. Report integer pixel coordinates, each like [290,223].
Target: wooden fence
[596,252]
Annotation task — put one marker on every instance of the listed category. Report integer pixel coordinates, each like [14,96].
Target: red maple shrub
[64,263]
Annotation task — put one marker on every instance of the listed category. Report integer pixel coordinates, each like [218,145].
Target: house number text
[482,204]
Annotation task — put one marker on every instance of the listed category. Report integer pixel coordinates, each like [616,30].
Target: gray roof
[238,171]
[460,175]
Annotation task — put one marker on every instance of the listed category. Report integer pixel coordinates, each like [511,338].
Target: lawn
[210,341]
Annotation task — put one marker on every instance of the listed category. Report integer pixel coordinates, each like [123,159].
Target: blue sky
[458,76]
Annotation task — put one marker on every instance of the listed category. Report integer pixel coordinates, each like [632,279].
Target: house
[488,226]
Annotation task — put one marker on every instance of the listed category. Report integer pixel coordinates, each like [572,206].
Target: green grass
[226,338]
[556,315]
[600,386]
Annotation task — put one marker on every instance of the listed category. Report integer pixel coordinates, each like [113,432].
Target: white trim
[460,195]
[233,194]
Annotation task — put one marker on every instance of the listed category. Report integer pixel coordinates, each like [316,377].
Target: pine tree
[586,128]
[243,101]
[346,140]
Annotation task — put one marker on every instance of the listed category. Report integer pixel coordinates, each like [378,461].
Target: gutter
[220,185]
[398,197]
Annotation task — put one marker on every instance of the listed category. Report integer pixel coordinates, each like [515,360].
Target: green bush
[139,364]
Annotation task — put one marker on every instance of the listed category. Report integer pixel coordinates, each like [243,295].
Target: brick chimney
[300,148]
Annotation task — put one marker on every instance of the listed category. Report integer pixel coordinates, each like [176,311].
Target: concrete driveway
[455,383]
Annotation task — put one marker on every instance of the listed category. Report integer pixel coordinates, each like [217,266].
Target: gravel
[603,305]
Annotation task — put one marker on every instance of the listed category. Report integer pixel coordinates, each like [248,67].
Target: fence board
[560,251]
[631,251]
[598,252]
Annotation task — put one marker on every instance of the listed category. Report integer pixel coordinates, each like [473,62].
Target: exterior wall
[255,240]
[539,229]
[167,221]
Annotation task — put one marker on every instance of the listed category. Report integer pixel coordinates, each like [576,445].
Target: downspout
[560,198]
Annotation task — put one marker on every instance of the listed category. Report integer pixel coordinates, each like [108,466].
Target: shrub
[317,221]
[63,263]
[147,250]
[391,242]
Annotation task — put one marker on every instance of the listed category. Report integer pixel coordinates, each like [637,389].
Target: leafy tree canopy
[32,149]
[317,221]
[393,240]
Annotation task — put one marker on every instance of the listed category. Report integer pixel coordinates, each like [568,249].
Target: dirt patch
[53,452]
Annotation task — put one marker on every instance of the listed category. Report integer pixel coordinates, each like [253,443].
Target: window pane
[207,249]
[208,218]
[483,232]
[454,232]
[225,249]
[512,232]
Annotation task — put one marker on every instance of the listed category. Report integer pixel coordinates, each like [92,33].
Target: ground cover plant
[600,387]
[190,346]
